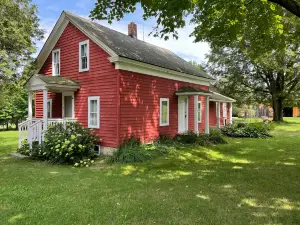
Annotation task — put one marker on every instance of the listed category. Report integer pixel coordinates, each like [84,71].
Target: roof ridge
[125,35]
[125,46]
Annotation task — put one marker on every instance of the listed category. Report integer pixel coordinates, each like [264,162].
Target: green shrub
[132,151]
[252,130]
[187,138]
[201,139]
[71,144]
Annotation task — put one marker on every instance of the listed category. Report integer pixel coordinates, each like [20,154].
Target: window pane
[93,119]
[199,116]
[199,105]
[56,68]
[93,106]
[164,113]
[84,62]
[83,50]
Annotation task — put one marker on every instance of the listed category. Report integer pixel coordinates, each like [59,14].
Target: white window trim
[50,100]
[199,110]
[160,112]
[88,56]
[53,70]
[97,98]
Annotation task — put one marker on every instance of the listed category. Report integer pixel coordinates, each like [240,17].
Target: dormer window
[56,62]
[84,57]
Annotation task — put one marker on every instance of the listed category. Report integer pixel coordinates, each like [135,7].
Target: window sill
[163,125]
[86,70]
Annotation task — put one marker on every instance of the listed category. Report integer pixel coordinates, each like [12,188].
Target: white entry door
[68,105]
[182,114]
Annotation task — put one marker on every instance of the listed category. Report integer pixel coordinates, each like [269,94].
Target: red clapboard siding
[139,106]
[100,80]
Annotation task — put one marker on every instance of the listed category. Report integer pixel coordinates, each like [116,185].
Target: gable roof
[119,44]
[132,48]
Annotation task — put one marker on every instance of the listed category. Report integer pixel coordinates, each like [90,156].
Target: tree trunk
[7,125]
[277,109]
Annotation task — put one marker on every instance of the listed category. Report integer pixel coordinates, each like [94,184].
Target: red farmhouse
[118,85]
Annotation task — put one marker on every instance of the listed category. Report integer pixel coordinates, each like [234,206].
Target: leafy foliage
[132,151]
[251,130]
[219,22]
[72,144]
[19,31]
[14,98]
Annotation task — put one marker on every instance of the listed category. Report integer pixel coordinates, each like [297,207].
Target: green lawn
[247,181]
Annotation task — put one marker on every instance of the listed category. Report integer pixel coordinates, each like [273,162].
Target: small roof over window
[190,90]
[52,83]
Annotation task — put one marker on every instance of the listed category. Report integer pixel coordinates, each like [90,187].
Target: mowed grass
[248,181]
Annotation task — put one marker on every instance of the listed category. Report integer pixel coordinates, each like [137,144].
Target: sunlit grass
[247,181]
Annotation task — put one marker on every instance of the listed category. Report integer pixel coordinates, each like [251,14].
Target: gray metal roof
[131,48]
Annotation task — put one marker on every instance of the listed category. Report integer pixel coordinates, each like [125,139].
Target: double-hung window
[56,62]
[199,111]
[164,112]
[84,56]
[94,112]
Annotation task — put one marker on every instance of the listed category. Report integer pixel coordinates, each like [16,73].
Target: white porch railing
[32,130]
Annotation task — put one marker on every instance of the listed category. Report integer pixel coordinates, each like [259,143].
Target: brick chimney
[132,30]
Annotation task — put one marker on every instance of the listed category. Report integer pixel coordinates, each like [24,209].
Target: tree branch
[290,5]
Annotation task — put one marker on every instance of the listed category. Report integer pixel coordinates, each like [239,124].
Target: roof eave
[148,69]
[193,93]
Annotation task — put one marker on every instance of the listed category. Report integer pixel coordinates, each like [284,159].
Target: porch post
[207,114]
[230,113]
[196,114]
[218,114]
[45,110]
[30,105]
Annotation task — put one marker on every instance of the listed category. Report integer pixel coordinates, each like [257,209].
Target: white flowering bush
[70,144]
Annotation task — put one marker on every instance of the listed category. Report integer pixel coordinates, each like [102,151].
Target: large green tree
[19,31]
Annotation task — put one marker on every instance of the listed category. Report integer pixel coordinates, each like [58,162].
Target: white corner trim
[160,112]
[144,68]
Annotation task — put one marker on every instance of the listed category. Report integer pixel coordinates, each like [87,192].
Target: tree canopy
[19,31]
[219,22]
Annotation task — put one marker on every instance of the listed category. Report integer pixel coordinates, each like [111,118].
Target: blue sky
[50,10]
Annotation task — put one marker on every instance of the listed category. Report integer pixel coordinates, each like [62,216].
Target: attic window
[84,57]
[56,62]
